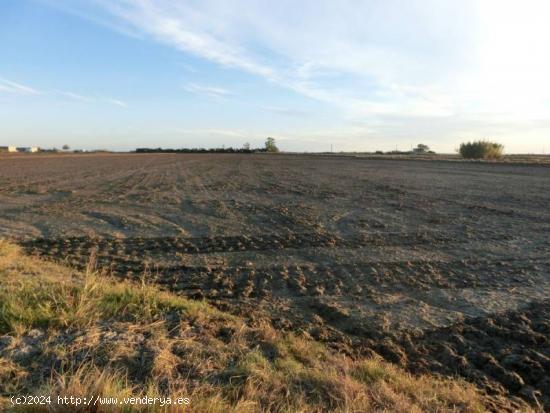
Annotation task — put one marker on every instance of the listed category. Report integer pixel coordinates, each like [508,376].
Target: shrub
[270,145]
[481,150]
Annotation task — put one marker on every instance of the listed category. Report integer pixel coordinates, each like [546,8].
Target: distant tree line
[270,146]
[197,150]
[420,149]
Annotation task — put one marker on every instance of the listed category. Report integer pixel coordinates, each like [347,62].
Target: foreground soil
[439,267]
[96,342]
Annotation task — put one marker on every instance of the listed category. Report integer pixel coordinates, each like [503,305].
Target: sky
[354,75]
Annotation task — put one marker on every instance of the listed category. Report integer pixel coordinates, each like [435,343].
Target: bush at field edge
[481,150]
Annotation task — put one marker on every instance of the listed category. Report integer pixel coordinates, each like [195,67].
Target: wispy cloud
[209,91]
[75,96]
[297,113]
[15,88]
[311,54]
[89,99]
[117,102]
[11,87]
[182,26]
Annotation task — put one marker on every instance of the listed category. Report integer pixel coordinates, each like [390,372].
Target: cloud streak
[75,96]
[295,113]
[88,99]
[117,102]
[18,89]
[208,91]
[8,86]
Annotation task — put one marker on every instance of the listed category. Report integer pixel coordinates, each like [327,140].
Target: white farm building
[28,149]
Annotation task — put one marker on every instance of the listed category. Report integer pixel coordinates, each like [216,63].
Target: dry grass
[87,334]
[45,295]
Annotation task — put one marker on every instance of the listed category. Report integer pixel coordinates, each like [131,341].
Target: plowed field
[436,266]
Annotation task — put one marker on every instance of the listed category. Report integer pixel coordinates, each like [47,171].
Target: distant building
[27,149]
[8,149]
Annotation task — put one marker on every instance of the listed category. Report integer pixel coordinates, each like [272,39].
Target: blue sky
[358,75]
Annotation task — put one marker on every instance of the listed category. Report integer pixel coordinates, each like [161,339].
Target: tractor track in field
[73,246]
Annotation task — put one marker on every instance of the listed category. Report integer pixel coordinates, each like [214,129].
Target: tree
[246,146]
[421,148]
[270,145]
[66,147]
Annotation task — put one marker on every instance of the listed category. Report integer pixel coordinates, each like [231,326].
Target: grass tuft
[30,301]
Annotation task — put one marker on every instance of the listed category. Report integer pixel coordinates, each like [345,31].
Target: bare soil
[440,267]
